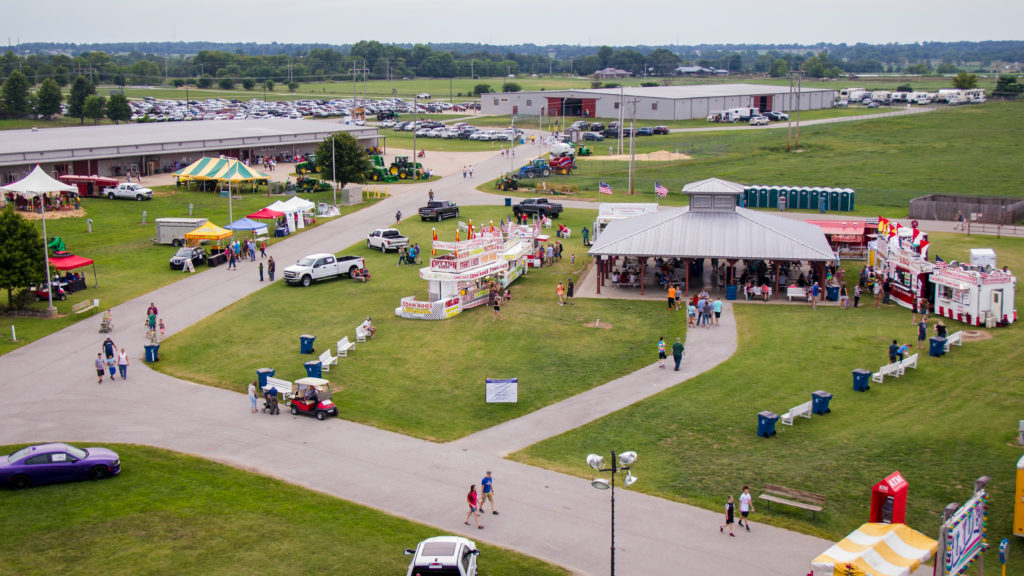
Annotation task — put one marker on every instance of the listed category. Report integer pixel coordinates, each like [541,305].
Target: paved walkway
[50,393]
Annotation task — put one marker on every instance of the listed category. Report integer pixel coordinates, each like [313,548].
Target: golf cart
[319,404]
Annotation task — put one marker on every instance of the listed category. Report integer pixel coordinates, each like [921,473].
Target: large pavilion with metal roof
[712,227]
[113,150]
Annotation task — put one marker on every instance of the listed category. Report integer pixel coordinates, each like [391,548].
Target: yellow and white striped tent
[877,550]
[226,169]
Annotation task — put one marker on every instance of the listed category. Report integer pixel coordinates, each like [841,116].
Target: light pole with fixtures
[624,461]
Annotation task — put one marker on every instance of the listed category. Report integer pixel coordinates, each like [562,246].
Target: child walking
[661,352]
[161,328]
[730,515]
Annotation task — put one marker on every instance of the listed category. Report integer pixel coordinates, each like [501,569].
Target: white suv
[443,556]
[759,121]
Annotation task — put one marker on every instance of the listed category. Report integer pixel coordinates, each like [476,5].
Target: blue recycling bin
[936,346]
[152,352]
[832,293]
[313,368]
[861,379]
[306,344]
[261,376]
[730,292]
[508,201]
[819,401]
[766,423]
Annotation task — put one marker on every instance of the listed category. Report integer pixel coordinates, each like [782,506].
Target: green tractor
[507,182]
[307,184]
[405,170]
[378,171]
[584,151]
[307,165]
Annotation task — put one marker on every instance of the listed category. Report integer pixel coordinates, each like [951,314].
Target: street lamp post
[623,463]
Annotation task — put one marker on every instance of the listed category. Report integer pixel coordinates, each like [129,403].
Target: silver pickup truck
[129,191]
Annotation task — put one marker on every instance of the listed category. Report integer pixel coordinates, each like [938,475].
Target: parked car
[610,132]
[873,104]
[57,462]
[777,116]
[194,253]
[645,131]
[596,127]
[444,556]
[386,240]
[592,136]
[438,210]
[660,130]
[759,120]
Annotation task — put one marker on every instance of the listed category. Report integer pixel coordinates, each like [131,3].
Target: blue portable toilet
[833,199]
[792,197]
[814,198]
[773,197]
[762,197]
[850,190]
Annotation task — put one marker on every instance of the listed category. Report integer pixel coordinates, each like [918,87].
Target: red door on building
[590,107]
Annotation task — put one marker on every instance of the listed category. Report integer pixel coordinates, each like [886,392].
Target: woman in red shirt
[471,499]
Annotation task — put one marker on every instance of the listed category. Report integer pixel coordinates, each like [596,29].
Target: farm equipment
[378,172]
[536,167]
[404,169]
[307,184]
[507,182]
[562,164]
[56,244]
[584,151]
[307,164]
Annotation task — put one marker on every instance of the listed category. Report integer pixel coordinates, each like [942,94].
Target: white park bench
[326,359]
[796,292]
[801,410]
[283,387]
[887,370]
[463,226]
[956,338]
[85,305]
[361,334]
[344,346]
[908,362]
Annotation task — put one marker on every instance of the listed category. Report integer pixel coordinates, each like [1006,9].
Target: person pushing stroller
[270,401]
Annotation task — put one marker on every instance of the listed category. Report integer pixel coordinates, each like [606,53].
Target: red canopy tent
[266,214]
[65,261]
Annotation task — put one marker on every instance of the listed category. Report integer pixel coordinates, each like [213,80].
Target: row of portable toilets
[797,198]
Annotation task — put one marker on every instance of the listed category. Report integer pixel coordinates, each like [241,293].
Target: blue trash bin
[832,293]
[313,368]
[936,346]
[306,344]
[861,379]
[730,292]
[819,401]
[766,423]
[262,374]
[152,352]
[508,201]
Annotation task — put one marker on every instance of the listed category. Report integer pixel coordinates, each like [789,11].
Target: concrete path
[51,393]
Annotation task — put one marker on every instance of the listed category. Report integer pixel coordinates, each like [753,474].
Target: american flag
[660,190]
[604,188]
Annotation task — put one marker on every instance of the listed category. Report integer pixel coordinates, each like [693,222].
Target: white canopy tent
[291,208]
[39,183]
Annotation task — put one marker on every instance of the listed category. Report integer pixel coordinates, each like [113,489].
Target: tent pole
[96,282]
[46,255]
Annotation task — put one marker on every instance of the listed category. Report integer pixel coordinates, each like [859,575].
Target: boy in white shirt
[746,507]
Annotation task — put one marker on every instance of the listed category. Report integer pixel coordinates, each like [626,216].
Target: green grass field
[943,425]
[128,263]
[442,364]
[887,161]
[168,513]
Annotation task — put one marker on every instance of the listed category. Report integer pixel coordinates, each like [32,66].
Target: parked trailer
[172,230]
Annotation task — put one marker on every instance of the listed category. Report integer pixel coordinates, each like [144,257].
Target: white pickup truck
[386,240]
[129,191]
[316,267]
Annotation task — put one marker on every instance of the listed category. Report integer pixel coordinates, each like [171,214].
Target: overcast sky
[589,22]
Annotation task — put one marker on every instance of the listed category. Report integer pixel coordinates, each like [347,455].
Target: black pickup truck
[439,210]
[539,206]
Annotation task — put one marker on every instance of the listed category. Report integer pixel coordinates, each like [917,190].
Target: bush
[595,84]
[226,84]
[611,85]
[649,84]
[269,85]
[22,299]
[511,87]
[248,83]
[177,83]
[204,81]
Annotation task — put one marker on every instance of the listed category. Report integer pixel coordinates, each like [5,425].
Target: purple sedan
[58,462]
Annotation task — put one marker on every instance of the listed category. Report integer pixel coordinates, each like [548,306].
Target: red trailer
[89,185]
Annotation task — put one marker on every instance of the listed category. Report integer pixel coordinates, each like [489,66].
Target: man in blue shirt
[488,485]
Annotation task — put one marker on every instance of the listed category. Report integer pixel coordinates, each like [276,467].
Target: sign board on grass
[504,390]
[965,535]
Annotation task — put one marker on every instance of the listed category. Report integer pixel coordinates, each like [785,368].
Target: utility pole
[799,86]
[632,151]
[789,119]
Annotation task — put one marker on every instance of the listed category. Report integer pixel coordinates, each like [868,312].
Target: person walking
[430,194]
[561,294]
[470,170]
[263,249]
[252,397]
[671,297]
[877,292]
[586,236]
[856,295]
[464,172]
[959,220]
[162,328]
[109,348]
[100,367]
[401,255]
[922,333]
[495,303]
[231,260]
[271,268]
[894,349]
[112,367]
[261,271]
[717,306]
[746,507]
[677,352]
[471,500]
[122,364]
[661,352]
[730,516]
[488,488]
[569,291]
[398,217]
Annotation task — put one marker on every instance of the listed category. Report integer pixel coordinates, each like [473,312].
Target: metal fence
[978,209]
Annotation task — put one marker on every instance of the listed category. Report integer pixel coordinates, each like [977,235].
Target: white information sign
[502,390]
